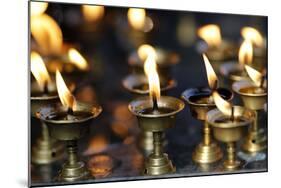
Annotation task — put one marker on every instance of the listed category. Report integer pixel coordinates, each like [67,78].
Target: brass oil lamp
[156,113]
[43,92]
[165,61]
[254,96]
[200,101]
[230,124]
[216,48]
[138,85]
[69,122]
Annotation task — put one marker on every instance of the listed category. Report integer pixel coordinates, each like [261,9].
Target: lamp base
[256,141]
[231,165]
[158,165]
[47,151]
[74,172]
[207,153]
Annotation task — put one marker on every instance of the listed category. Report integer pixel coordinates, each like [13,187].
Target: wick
[155,104]
[69,111]
[45,89]
[232,114]
[262,81]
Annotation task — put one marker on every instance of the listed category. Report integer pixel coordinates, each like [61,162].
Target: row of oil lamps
[70,119]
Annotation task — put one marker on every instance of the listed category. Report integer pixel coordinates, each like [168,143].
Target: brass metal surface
[46,150]
[157,162]
[230,132]
[70,130]
[256,139]
[207,151]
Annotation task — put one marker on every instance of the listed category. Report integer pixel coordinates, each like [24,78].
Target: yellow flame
[255,75]
[211,34]
[92,13]
[37,8]
[211,75]
[39,70]
[224,106]
[150,69]
[76,58]
[144,50]
[252,34]
[136,18]
[245,55]
[66,98]
[45,30]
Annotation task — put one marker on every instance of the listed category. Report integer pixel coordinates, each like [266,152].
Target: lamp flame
[252,34]
[76,58]
[45,30]
[38,8]
[144,50]
[150,69]
[211,34]
[92,13]
[245,55]
[66,98]
[211,75]
[224,106]
[136,18]
[39,70]
[255,76]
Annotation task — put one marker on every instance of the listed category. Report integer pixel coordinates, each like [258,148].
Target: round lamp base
[158,165]
[207,153]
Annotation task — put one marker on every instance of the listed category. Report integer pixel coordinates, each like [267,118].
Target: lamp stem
[231,152]
[72,152]
[206,134]
[45,132]
[255,124]
[157,143]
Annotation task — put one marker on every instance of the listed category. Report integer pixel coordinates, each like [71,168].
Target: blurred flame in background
[45,30]
[76,58]
[92,13]
[39,70]
[211,34]
[253,35]
[245,55]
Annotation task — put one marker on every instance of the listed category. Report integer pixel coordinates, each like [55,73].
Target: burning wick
[150,70]
[224,106]
[66,98]
[40,72]
[257,77]
[232,114]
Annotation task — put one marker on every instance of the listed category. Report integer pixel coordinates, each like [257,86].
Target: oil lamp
[69,122]
[138,85]
[156,113]
[200,101]
[43,91]
[229,124]
[254,96]
[216,48]
[165,60]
